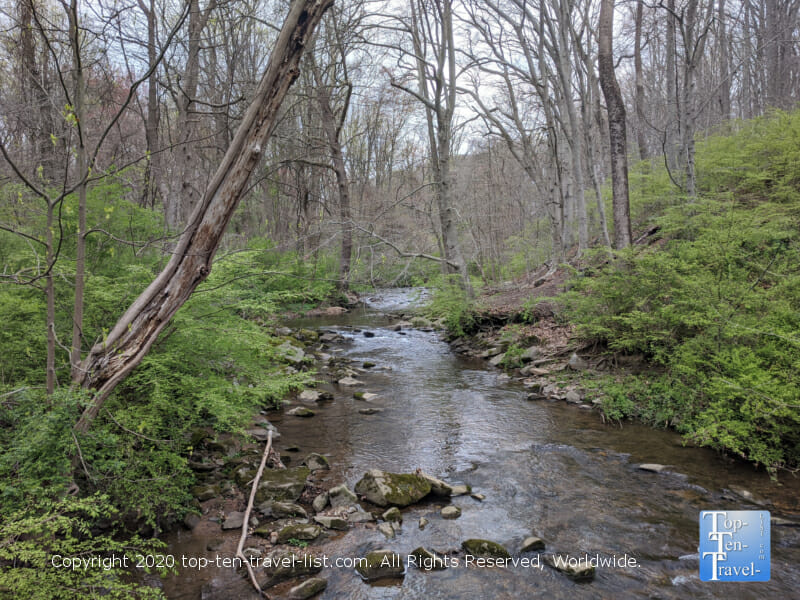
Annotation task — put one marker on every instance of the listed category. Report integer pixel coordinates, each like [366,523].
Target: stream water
[546,469]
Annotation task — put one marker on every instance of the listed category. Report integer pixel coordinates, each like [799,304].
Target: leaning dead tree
[110,361]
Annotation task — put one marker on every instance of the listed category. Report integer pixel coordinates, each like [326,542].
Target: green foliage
[216,364]
[297,543]
[450,301]
[715,303]
[41,539]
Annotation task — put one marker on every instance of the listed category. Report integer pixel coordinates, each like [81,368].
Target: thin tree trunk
[79,96]
[616,126]
[152,173]
[639,80]
[50,298]
[109,362]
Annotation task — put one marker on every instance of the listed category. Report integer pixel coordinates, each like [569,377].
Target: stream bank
[536,469]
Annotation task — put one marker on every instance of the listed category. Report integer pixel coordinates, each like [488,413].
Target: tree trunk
[672,126]
[112,360]
[641,139]
[616,126]
[152,173]
[79,95]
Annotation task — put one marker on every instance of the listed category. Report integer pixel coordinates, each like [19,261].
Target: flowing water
[547,469]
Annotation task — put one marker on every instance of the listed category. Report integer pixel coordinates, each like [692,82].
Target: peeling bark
[110,361]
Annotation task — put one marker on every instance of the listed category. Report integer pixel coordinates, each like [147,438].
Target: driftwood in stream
[248,510]
[111,361]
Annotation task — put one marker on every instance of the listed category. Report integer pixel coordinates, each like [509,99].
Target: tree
[433,54]
[110,361]
[616,126]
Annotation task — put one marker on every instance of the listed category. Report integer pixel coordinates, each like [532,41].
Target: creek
[545,468]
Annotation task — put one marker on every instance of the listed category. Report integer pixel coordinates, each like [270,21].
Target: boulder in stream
[301,411]
[485,548]
[284,564]
[577,568]
[380,564]
[282,484]
[450,512]
[438,487]
[320,502]
[281,510]
[331,522]
[317,462]
[299,531]
[307,589]
[341,496]
[398,489]
[427,560]
[532,544]
[393,514]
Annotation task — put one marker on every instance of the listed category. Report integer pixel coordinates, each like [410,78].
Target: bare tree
[130,339]
[616,125]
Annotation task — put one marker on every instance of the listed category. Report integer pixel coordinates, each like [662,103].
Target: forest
[182,179]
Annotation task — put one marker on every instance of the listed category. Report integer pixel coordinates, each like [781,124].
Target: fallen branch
[239,548]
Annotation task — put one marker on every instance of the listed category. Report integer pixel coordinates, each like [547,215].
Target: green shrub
[714,303]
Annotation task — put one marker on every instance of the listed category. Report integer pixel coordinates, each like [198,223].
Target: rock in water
[397,489]
[427,560]
[485,549]
[320,502]
[574,397]
[316,462]
[282,484]
[579,570]
[393,514]
[281,510]
[451,512]
[341,496]
[301,411]
[652,467]
[438,487]
[302,531]
[349,381]
[332,522]
[283,564]
[309,396]
[290,353]
[233,520]
[310,587]
[387,530]
[380,564]
[532,543]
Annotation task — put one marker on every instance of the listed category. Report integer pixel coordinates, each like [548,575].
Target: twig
[80,456]
[246,521]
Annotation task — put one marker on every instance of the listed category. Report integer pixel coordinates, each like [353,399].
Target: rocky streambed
[412,471]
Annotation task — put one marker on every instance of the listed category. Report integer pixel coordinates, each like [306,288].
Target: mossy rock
[485,549]
[427,560]
[380,564]
[307,589]
[393,514]
[283,485]
[205,492]
[397,489]
[284,564]
[300,531]
[281,510]
[579,571]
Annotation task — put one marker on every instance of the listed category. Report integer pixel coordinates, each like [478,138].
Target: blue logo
[734,545]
